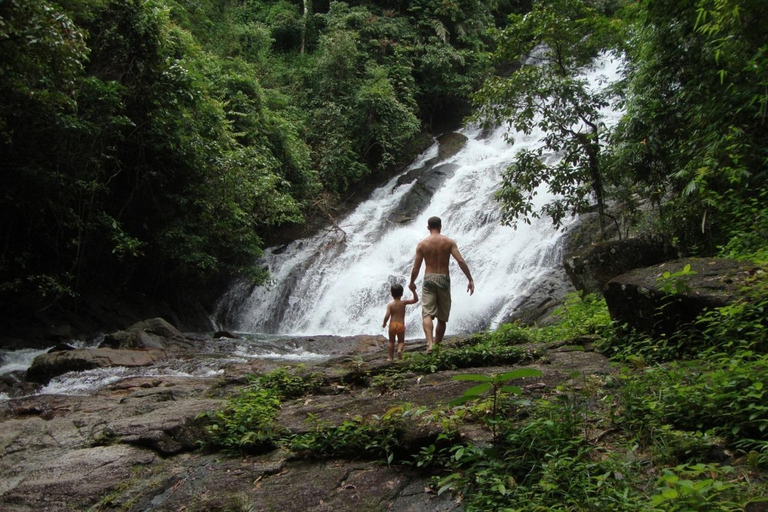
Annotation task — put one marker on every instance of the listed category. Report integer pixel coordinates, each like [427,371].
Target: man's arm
[417,261]
[464,267]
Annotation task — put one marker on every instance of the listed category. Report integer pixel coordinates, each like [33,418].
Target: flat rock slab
[56,479]
[306,414]
[271,482]
[65,453]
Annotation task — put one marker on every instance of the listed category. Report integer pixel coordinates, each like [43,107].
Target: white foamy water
[338,282]
[18,360]
[212,362]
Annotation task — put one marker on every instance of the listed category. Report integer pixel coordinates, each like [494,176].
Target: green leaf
[463,399]
[519,374]
[515,390]
[479,389]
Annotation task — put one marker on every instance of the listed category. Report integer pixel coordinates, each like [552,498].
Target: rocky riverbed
[134,445]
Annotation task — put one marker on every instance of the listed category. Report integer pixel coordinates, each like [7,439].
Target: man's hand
[412,286]
[384,325]
[471,287]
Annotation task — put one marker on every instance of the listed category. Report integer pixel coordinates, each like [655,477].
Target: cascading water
[338,281]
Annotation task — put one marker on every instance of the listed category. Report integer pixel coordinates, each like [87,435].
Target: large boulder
[47,366]
[636,298]
[590,267]
[154,333]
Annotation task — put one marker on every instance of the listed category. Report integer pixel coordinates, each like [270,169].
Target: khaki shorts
[436,296]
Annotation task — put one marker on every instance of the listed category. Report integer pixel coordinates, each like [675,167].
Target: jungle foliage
[152,144]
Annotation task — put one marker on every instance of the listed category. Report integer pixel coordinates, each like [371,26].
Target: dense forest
[148,145]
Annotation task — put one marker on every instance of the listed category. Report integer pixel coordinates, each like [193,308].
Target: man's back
[436,250]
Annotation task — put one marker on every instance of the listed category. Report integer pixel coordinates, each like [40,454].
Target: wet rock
[47,366]
[62,347]
[636,298]
[155,333]
[592,266]
[158,327]
[420,194]
[133,340]
[224,334]
[339,345]
[428,178]
[544,296]
[13,384]
[450,144]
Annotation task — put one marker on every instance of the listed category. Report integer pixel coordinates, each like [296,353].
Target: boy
[396,310]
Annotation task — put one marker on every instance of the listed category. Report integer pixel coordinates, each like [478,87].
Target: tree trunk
[304,17]
[591,146]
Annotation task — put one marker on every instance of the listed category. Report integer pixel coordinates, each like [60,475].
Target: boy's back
[397,310]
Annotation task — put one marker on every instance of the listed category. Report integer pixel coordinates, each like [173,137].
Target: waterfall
[337,282]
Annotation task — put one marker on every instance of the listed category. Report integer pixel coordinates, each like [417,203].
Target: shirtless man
[436,251]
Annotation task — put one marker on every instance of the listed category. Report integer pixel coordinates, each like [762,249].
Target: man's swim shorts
[436,296]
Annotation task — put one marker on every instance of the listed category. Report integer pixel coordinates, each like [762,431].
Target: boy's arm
[414,300]
[386,317]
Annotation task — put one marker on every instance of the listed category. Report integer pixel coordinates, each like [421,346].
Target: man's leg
[427,321]
[439,332]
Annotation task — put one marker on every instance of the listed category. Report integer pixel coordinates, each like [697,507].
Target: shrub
[727,398]
[247,424]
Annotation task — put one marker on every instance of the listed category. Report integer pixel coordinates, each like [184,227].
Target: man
[436,251]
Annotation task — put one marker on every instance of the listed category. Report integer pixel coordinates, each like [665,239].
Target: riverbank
[134,445]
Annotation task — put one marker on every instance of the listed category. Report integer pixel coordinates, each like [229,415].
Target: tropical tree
[559,39]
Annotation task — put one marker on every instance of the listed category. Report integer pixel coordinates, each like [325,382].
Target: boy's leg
[391,345]
[400,345]
[428,327]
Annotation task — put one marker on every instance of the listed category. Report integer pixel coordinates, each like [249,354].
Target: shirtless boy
[396,316]
[436,251]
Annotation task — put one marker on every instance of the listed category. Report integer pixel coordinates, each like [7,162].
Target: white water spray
[338,282]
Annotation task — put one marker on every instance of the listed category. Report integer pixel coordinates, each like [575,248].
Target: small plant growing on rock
[675,283]
[496,386]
